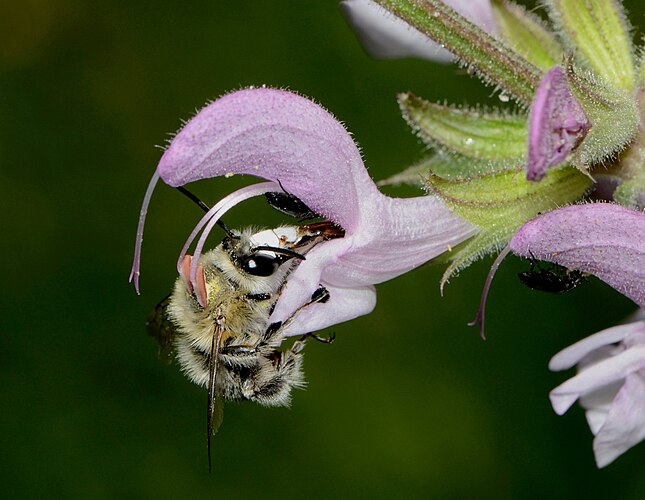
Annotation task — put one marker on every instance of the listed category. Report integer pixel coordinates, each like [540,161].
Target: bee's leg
[324,340]
[239,356]
[299,345]
[272,331]
[258,297]
[238,350]
[320,296]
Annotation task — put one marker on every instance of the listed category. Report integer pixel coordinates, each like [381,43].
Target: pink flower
[610,385]
[602,239]
[608,241]
[280,136]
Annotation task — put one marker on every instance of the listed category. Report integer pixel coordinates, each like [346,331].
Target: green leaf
[527,34]
[499,204]
[481,53]
[472,133]
[613,114]
[598,31]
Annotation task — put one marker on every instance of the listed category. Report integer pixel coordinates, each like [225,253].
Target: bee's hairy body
[243,277]
[249,366]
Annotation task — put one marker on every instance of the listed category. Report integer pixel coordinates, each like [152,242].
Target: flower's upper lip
[278,136]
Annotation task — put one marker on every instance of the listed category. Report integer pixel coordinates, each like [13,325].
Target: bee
[228,345]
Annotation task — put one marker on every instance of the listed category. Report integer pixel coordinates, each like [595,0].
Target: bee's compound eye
[260,265]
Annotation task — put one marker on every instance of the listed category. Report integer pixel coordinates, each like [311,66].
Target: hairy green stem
[493,61]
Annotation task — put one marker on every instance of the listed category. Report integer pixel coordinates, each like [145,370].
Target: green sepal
[629,171]
[477,50]
[613,114]
[599,33]
[631,193]
[500,204]
[449,166]
[469,132]
[527,34]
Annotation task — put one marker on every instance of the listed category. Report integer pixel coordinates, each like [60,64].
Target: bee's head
[257,259]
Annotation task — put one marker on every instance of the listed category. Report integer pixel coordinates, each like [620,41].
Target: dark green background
[408,402]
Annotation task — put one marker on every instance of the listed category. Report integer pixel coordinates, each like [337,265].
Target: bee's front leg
[320,296]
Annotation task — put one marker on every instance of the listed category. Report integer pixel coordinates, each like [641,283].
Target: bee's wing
[162,329]
[215,408]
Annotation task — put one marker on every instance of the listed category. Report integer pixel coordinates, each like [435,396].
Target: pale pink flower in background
[384,36]
[610,386]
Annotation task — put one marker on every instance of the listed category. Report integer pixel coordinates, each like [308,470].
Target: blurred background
[408,402]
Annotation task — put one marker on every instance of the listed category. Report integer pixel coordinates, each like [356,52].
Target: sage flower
[302,149]
[610,386]
[608,241]
[602,239]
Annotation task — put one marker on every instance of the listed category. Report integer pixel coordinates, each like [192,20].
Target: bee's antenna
[284,251]
[206,209]
[193,198]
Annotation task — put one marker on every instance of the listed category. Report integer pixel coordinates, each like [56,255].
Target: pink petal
[307,277]
[557,124]
[625,423]
[279,136]
[385,36]
[346,304]
[598,404]
[570,356]
[395,236]
[478,12]
[602,239]
[398,234]
[596,377]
